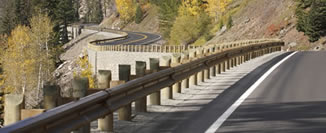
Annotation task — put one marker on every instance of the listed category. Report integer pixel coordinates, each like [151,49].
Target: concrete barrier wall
[110,60]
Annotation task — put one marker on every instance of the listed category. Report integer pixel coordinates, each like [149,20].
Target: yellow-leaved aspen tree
[41,29]
[20,60]
[126,9]
[191,7]
[216,8]
[86,69]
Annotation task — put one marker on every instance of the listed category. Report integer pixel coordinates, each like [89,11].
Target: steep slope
[149,22]
[252,19]
[267,19]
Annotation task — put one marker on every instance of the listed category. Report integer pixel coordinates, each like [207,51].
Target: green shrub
[139,14]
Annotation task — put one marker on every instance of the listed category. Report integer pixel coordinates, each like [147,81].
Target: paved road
[198,107]
[136,38]
[291,100]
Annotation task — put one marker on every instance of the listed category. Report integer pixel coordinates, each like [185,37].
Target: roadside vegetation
[31,35]
[311,16]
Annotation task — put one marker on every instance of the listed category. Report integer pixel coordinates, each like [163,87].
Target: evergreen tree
[139,14]
[63,16]
[229,22]
[168,11]
[23,11]
[311,16]
[8,17]
[94,13]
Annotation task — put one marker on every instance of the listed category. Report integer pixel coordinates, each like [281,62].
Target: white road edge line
[216,125]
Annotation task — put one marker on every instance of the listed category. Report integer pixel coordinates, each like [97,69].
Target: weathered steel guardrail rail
[78,113]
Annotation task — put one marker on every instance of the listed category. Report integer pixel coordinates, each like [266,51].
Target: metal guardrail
[73,115]
[173,48]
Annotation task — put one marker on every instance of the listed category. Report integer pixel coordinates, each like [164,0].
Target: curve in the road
[135,38]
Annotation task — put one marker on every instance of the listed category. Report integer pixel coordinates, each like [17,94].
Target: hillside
[252,19]
[149,23]
[268,19]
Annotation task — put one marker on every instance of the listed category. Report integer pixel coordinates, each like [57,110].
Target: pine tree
[168,11]
[139,14]
[312,18]
[8,17]
[23,11]
[229,22]
[94,13]
[63,16]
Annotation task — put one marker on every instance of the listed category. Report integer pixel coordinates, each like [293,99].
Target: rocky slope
[268,19]
[258,19]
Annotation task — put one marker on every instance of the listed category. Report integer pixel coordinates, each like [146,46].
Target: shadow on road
[200,121]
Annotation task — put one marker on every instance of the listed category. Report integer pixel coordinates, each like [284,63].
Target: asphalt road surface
[291,100]
[136,38]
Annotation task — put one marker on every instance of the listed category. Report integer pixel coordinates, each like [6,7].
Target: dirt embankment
[268,19]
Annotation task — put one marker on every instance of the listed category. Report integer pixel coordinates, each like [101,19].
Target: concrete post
[227,64]
[231,62]
[12,107]
[207,74]
[218,68]
[80,87]
[124,75]
[192,78]
[124,113]
[200,75]
[206,71]
[184,59]
[103,79]
[166,92]
[155,98]
[192,54]
[103,82]
[51,94]
[176,59]
[223,66]
[141,104]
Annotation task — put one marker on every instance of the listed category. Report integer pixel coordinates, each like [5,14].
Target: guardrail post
[212,70]
[103,82]
[165,62]
[200,75]
[155,98]
[184,59]
[218,68]
[223,66]
[124,75]
[176,59]
[231,62]
[51,94]
[227,64]
[192,78]
[13,105]
[80,87]
[206,71]
[141,104]
[237,61]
